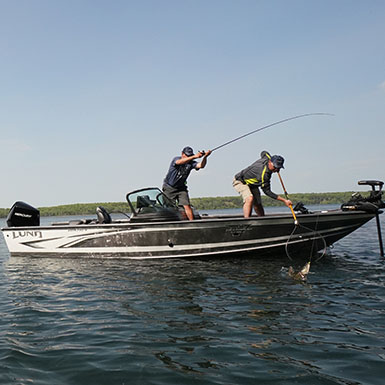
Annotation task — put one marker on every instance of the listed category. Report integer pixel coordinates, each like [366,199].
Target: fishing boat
[155,228]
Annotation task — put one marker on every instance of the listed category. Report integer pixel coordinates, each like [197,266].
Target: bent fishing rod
[269,125]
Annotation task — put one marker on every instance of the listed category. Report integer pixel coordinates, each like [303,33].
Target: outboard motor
[22,215]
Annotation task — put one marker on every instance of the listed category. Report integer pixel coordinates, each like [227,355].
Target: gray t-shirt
[258,175]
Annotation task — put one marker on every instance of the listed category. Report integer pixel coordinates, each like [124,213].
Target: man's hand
[207,153]
[203,153]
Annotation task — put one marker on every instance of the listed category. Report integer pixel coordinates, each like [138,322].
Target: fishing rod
[269,125]
[287,197]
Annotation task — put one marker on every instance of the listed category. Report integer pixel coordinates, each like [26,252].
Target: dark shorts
[177,195]
[257,195]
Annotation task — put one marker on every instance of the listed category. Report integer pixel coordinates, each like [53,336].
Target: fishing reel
[300,207]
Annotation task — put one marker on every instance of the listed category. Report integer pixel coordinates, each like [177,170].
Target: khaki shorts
[245,191]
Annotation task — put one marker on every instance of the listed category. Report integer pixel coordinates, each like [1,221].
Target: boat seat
[103,215]
[143,201]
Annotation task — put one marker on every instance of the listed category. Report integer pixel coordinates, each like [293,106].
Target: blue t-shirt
[177,174]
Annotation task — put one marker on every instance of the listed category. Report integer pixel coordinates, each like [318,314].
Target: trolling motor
[376,197]
[372,204]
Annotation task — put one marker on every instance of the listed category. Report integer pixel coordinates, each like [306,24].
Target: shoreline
[205,203]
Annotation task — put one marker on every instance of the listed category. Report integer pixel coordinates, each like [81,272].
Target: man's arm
[187,159]
[287,202]
[204,160]
[266,189]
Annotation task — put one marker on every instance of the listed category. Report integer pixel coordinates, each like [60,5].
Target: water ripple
[228,321]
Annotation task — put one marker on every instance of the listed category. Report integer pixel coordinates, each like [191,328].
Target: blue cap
[188,151]
[277,161]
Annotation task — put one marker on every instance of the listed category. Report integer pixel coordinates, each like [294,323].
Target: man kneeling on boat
[248,181]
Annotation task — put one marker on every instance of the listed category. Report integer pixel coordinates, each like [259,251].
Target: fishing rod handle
[294,216]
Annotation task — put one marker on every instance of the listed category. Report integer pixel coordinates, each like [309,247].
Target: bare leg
[248,206]
[189,212]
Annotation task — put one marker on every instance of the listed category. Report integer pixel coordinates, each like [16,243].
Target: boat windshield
[148,199]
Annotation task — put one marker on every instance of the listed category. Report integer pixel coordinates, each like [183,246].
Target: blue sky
[97,96]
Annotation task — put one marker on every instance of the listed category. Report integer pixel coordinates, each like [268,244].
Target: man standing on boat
[175,182]
[248,181]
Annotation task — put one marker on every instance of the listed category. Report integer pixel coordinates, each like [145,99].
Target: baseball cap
[188,151]
[277,161]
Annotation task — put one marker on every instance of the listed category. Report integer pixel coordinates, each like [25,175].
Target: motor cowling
[22,214]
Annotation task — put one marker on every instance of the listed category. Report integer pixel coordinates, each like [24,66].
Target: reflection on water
[230,321]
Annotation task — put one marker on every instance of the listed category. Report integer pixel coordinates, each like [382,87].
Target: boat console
[151,205]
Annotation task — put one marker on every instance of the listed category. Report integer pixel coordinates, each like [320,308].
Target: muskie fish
[300,275]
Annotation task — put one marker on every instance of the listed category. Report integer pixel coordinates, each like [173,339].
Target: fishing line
[269,125]
[323,239]
[314,237]
[297,226]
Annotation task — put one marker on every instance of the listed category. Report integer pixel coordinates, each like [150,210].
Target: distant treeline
[306,198]
[212,203]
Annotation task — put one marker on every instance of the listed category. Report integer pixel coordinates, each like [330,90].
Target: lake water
[83,321]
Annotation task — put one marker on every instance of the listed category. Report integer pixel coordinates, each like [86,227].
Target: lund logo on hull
[23,234]
[237,231]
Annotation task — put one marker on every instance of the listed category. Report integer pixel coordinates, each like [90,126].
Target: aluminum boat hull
[209,236]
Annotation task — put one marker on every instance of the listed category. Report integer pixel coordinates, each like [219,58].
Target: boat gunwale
[186,223]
